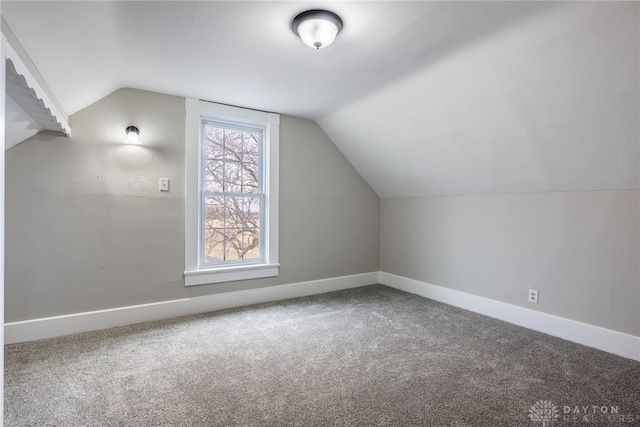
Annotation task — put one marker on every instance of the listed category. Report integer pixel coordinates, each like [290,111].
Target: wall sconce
[132,135]
[317,28]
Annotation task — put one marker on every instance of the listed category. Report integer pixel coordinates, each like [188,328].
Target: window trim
[196,111]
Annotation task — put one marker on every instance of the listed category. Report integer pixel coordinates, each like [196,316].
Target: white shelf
[31,107]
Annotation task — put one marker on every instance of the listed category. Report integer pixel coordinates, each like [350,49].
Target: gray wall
[579,249]
[87,228]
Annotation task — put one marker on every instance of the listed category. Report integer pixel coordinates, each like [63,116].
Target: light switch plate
[164,184]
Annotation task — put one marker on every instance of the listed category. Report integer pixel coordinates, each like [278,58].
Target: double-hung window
[231,223]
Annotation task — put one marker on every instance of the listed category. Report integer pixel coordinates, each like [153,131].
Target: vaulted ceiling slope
[423,98]
[550,103]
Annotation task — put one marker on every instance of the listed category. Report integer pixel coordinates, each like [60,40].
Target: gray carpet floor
[361,357]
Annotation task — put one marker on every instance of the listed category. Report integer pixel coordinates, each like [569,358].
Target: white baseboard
[49,327]
[619,343]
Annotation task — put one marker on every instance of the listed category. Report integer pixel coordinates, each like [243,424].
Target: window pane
[252,142]
[213,238]
[213,141]
[251,233]
[251,158]
[250,178]
[232,177]
[231,229]
[233,250]
[251,206]
[243,225]
[231,159]
[251,242]
[212,183]
[234,217]
[213,149]
[233,145]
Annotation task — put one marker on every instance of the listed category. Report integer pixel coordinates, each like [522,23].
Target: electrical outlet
[533,296]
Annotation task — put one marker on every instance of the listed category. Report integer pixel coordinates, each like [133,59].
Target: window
[231,193]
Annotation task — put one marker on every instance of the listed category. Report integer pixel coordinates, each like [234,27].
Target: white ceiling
[423,98]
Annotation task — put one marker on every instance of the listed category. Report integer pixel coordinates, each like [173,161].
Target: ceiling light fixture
[317,28]
[132,135]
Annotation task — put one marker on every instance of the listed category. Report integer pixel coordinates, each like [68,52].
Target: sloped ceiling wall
[423,98]
[548,104]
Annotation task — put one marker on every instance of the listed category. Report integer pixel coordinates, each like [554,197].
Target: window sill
[230,274]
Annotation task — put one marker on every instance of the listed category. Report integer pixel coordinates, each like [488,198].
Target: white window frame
[196,112]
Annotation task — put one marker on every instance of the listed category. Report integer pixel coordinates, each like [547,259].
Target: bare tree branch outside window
[232,193]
